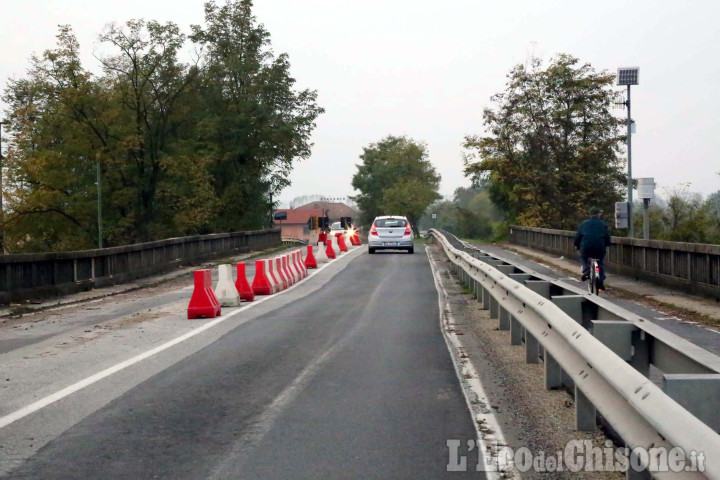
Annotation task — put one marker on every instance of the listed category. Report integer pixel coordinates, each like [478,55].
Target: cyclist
[591,239]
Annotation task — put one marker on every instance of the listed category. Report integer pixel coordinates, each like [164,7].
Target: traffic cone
[329,250]
[283,279]
[310,260]
[242,286]
[225,291]
[321,255]
[203,302]
[261,283]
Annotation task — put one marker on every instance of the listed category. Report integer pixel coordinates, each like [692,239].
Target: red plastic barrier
[283,279]
[203,302]
[322,238]
[329,250]
[355,239]
[341,242]
[310,260]
[261,283]
[242,285]
[293,266]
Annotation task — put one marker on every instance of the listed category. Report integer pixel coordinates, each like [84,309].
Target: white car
[391,233]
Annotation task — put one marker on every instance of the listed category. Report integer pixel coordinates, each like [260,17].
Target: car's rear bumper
[390,244]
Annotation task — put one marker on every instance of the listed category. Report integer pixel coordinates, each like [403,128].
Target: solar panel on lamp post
[629,76]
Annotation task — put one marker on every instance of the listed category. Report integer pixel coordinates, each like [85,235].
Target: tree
[395,177]
[551,147]
[254,123]
[182,147]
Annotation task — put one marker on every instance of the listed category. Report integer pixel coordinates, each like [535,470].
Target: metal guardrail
[294,241]
[693,267]
[38,275]
[637,409]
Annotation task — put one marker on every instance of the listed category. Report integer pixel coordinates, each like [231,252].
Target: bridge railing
[693,267]
[42,275]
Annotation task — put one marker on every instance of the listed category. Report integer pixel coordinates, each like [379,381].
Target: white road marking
[712,330]
[75,387]
[466,372]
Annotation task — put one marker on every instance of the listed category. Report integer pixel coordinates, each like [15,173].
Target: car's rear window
[390,222]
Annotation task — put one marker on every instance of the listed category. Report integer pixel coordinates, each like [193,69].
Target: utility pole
[2,213]
[99,207]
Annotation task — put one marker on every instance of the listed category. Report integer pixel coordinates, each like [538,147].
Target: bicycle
[594,280]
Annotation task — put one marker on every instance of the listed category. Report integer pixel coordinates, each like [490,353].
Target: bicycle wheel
[591,282]
[597,285]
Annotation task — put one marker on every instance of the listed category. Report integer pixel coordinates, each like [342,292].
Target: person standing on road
[591,239]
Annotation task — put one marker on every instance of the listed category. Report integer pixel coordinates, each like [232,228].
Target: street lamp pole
[631,231]
[629,76]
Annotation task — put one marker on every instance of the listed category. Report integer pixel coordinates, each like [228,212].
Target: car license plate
[391,244]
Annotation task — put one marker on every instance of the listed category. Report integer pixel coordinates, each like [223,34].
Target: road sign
[434,216]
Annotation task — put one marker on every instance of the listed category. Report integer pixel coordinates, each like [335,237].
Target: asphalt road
[352,380]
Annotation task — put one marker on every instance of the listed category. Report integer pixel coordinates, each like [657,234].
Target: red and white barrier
[272,277]
[225,291]
[286,269]
[242,286]
[203,302]
[296,264]
[301,263]
[282,280]
[262,285]
[310,260]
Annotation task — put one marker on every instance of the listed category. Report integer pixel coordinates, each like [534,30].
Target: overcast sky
[426,69]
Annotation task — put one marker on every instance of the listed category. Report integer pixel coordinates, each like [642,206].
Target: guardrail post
[506,269]
[494,314]
[503,319]
[541,287]
[515,331]
[584,412]
[485,298]
[532,354]
[699,393]
[553,373]
[571,305]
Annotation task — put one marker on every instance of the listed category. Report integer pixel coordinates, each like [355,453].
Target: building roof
[334,210]
[295,216]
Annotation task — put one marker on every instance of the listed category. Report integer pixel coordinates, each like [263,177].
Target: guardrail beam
[698,393]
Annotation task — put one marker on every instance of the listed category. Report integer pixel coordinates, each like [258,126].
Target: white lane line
[75,387]
[469,381]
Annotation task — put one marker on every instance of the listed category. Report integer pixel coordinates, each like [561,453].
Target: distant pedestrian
[591,239]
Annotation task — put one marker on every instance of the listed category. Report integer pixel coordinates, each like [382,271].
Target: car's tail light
[408,230]
[373,230]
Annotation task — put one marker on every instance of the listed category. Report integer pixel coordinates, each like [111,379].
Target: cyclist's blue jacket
[592,238]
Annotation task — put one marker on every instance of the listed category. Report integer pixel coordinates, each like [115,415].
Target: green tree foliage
[551,147]
[395,178]
[183,147]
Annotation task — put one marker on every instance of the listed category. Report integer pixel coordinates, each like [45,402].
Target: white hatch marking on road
[75,387]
